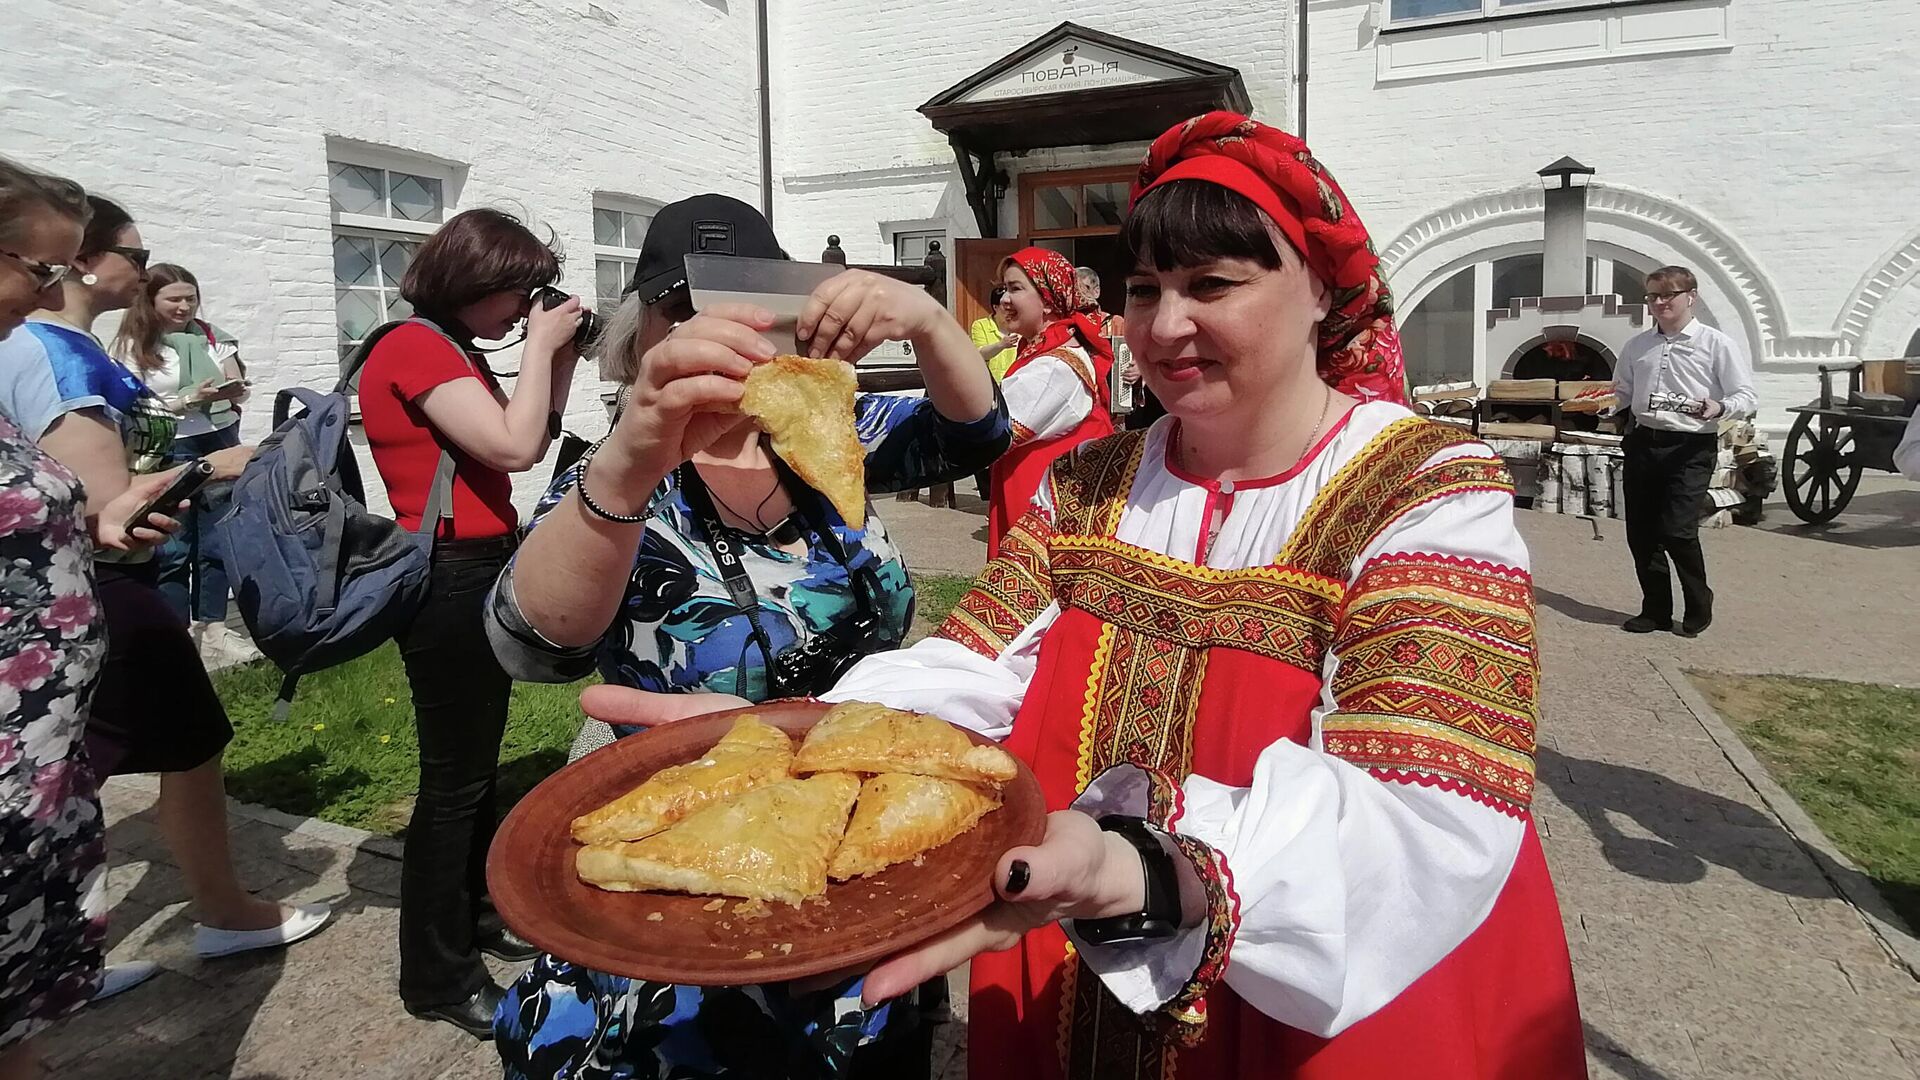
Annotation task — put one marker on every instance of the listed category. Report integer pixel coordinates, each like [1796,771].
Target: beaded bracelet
[580,485]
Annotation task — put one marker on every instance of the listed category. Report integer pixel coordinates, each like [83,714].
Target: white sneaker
[118,978]
[305,921]
[238,645]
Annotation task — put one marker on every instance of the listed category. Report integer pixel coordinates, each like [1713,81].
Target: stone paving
[1708,943]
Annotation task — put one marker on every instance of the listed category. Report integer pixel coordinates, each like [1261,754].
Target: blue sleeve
[910,445]
[29,394]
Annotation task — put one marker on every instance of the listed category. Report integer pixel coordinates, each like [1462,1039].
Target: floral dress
[52,840]
[678,631]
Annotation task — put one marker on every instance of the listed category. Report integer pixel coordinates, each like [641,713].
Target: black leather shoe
[504,944]
[1642,624]
[473,1016]
[1692,627]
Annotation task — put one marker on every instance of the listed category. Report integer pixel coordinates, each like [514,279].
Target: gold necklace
[1326,405]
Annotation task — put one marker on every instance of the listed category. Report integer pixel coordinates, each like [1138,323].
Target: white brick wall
[208,120]
[849,75]
[1788,154]
[1797,145]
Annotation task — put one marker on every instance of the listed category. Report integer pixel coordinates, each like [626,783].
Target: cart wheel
[1821,469]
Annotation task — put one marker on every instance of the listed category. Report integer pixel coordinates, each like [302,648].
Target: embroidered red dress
[1057,400]
[1055,390]
[1332,704]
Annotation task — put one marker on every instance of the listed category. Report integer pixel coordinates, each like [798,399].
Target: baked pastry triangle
[749,755]
[806,406]
[772,843]
[900,815]
[858,736]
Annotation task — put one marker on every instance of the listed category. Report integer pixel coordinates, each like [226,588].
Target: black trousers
[460,708]
[1667,475]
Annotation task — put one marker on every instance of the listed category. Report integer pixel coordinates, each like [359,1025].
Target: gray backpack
[318,578]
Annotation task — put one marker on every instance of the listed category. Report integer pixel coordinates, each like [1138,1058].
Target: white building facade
[291,157]
[1761,143]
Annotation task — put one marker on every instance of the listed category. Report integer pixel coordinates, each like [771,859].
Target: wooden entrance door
[979,271]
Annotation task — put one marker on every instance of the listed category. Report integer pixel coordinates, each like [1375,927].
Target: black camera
[590,326]
[813,666]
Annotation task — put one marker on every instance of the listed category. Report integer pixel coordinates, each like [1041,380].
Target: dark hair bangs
[1191,222]
[475,254]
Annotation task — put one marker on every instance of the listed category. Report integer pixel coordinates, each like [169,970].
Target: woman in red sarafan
[1056,387]
[1273,662]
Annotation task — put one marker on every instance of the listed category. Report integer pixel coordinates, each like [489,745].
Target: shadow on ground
[1689,828]
[522,774]
[1578,609]
[172,1025]
[1604,1045]
[294,782]
[1872,520]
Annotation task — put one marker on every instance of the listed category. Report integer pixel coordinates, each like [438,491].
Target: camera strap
[727,546]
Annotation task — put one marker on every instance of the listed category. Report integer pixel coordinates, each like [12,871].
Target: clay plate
[530,874]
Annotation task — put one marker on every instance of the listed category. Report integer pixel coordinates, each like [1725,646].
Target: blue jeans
[193,572]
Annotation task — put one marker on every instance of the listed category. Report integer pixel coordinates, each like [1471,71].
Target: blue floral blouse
[678,631]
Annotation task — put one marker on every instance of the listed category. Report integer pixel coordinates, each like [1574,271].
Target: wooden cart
[1836,437]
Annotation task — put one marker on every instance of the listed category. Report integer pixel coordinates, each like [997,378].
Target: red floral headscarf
[1059,288]
[1359,345]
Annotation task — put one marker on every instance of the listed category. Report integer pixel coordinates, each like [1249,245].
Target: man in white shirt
[1906,456]
[1678,380]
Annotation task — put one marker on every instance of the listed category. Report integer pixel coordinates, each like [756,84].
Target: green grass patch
[935,596]
[1849,754]
[348,752]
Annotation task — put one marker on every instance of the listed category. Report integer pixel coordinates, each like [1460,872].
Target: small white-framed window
[383,207]
[1405,13]
[910,246]
[619,229]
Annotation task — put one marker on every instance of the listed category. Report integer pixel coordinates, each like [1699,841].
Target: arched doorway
[1443,331]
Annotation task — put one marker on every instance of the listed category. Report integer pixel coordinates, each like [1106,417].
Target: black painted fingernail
[1018,874]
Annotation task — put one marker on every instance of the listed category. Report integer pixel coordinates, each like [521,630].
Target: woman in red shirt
[425,390]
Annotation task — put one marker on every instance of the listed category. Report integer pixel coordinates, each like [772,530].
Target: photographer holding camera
[681,556]
[424,390]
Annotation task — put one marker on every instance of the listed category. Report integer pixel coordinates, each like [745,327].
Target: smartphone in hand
[192,478]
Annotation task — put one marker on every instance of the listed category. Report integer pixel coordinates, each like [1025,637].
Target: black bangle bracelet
[586,500]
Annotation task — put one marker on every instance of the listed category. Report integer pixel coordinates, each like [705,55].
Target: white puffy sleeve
[1352,865]
[1049,395]
[975,669]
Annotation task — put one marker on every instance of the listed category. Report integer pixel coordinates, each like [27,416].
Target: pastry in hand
[751,754]
[857,736]
[806,406]
[900,816]
[773,843]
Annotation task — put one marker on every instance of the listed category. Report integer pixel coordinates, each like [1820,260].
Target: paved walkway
[1708,943]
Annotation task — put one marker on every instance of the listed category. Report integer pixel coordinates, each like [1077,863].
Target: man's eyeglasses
[137,256]
[1665,296]
[45,275]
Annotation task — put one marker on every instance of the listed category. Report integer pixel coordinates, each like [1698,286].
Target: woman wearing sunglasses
[52,923]
[60,387]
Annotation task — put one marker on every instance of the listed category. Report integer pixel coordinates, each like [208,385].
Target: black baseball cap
[701,225]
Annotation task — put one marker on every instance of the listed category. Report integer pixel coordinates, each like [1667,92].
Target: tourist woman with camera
[620,572]
[426,391]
